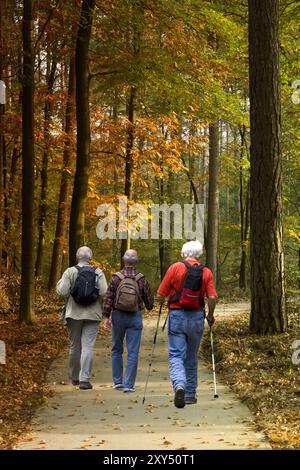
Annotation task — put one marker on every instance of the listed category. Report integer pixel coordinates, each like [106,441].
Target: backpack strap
[139,276]
[77,267]
[190,266]
[186,264]
[120,275]
[177,295]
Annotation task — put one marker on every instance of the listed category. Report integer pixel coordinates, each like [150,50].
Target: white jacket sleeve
[63,286]
[102,284]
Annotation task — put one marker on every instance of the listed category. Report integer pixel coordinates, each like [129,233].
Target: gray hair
[193,249]
[84,253]
[130,257]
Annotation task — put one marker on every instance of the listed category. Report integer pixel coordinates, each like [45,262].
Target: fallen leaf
[167,443]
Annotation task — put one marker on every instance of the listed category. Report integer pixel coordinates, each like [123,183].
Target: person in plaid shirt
[127,324]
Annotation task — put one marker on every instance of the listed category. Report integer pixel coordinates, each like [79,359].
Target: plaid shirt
[144,290]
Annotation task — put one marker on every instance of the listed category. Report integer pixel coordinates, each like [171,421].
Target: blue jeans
[129,325]
[185,334]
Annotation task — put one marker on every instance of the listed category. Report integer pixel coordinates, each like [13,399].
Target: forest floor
[259,369]
[40,413]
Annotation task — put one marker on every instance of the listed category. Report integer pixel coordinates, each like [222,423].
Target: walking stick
[164,326]
[151,357]
[213,362]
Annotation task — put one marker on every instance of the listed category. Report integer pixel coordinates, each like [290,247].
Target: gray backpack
[127,295]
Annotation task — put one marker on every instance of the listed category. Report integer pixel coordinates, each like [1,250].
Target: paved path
[103,418]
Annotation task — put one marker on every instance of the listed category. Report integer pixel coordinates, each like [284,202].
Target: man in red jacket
[185,326]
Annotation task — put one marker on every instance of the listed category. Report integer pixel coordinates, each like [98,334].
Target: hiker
[185,284]
[127,292]
[83,287]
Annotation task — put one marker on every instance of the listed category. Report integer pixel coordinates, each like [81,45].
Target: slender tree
[213,199]
[125,242]
[44,170]
[27,269]
[268,309]
[244,211]
[77,218]
[62,211]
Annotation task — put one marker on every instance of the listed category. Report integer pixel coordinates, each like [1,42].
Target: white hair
[193,249]
[84,252]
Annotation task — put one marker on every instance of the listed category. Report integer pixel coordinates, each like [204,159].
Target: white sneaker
[128,390]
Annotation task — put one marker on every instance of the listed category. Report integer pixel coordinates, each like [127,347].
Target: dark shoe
[128,390]
[179,399]
[190,400]
[118,387]
[85,386]
[75,382]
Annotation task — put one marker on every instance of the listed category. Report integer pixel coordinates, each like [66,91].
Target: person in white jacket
[82,321]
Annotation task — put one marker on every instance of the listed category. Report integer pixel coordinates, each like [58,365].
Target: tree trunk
[44,172]
[213,199]
[27,270]
[115,241]
[244,213]
[1,141]
[227,171]
[62,212]
[125,243]
[164,244]
[268,303]
[78,205]
[244,240]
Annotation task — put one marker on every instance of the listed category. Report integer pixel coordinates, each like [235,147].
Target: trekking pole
[213,362]
[164,326]
[151,357]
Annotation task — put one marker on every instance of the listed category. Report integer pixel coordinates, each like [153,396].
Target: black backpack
[189,297]
[86,287]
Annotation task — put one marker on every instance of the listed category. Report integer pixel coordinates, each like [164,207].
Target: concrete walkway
[104,418]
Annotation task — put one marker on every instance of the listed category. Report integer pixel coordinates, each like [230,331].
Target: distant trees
[150,101]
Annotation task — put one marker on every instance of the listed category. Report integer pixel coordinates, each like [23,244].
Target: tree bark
[78,205]
[268,302]
[213,199]
[62,212]
[27,269]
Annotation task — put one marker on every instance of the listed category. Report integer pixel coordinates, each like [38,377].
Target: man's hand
[210,320]
[107,324]
[160,299]
[211,301]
